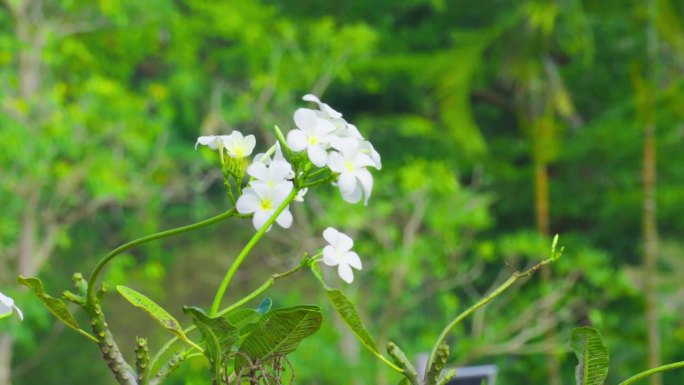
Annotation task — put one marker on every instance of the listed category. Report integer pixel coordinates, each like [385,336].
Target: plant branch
[101,264]
[498,291]
[649,372]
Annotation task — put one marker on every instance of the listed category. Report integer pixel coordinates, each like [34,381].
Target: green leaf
[55,305]
[219,336]
[264,306]
[160,315]
[279,332]
[241,317]
[244,319]
[592,355]
[346,309]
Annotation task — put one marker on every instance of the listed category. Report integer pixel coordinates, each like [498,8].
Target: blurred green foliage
[101,102]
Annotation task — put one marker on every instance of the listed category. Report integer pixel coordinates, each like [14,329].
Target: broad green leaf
[346,309]
[160,315]
[219,336]
[264,306]
[55,305]
[592,355]
[279,332]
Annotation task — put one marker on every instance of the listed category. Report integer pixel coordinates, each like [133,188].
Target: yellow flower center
[266,204]
[349,166]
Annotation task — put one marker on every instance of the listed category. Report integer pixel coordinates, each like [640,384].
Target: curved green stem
[504,286]
[101,264]
[649,372]
[243,254]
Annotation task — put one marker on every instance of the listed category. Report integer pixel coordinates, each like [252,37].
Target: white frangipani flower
[7,307]
[313,134]
[262,201]
[213,141]
[338,253]
[350,162]
[239,146]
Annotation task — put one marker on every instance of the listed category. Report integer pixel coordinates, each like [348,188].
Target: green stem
[243,254]
[268,283]
[649,372]
[316,173]
[280,136]
[100,265]
[509,282]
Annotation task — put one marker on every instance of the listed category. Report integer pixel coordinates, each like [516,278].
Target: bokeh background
[500,123]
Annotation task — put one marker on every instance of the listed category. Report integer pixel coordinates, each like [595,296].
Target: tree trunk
[541,187]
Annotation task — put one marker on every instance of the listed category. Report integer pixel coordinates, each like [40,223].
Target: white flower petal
[311,98]
[258,170]
[209,140]
[345,273]
[248,202]
[5,300]
[362,160]
[5,311]
[249,143]
[279,153]
[7,307]
[347,146]
[260,218]
[317,155]
[366,180]
[280,170]
[354,196]
[353,260]
[353,132]
[324,127]
[285,219]
[344,242]
[335,162]
[19,313]
[296,140]
[330,235]
[329,256]
[305,119]
[346,182]
[262,158]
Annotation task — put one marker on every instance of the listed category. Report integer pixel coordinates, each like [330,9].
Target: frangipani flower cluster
[331,141]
